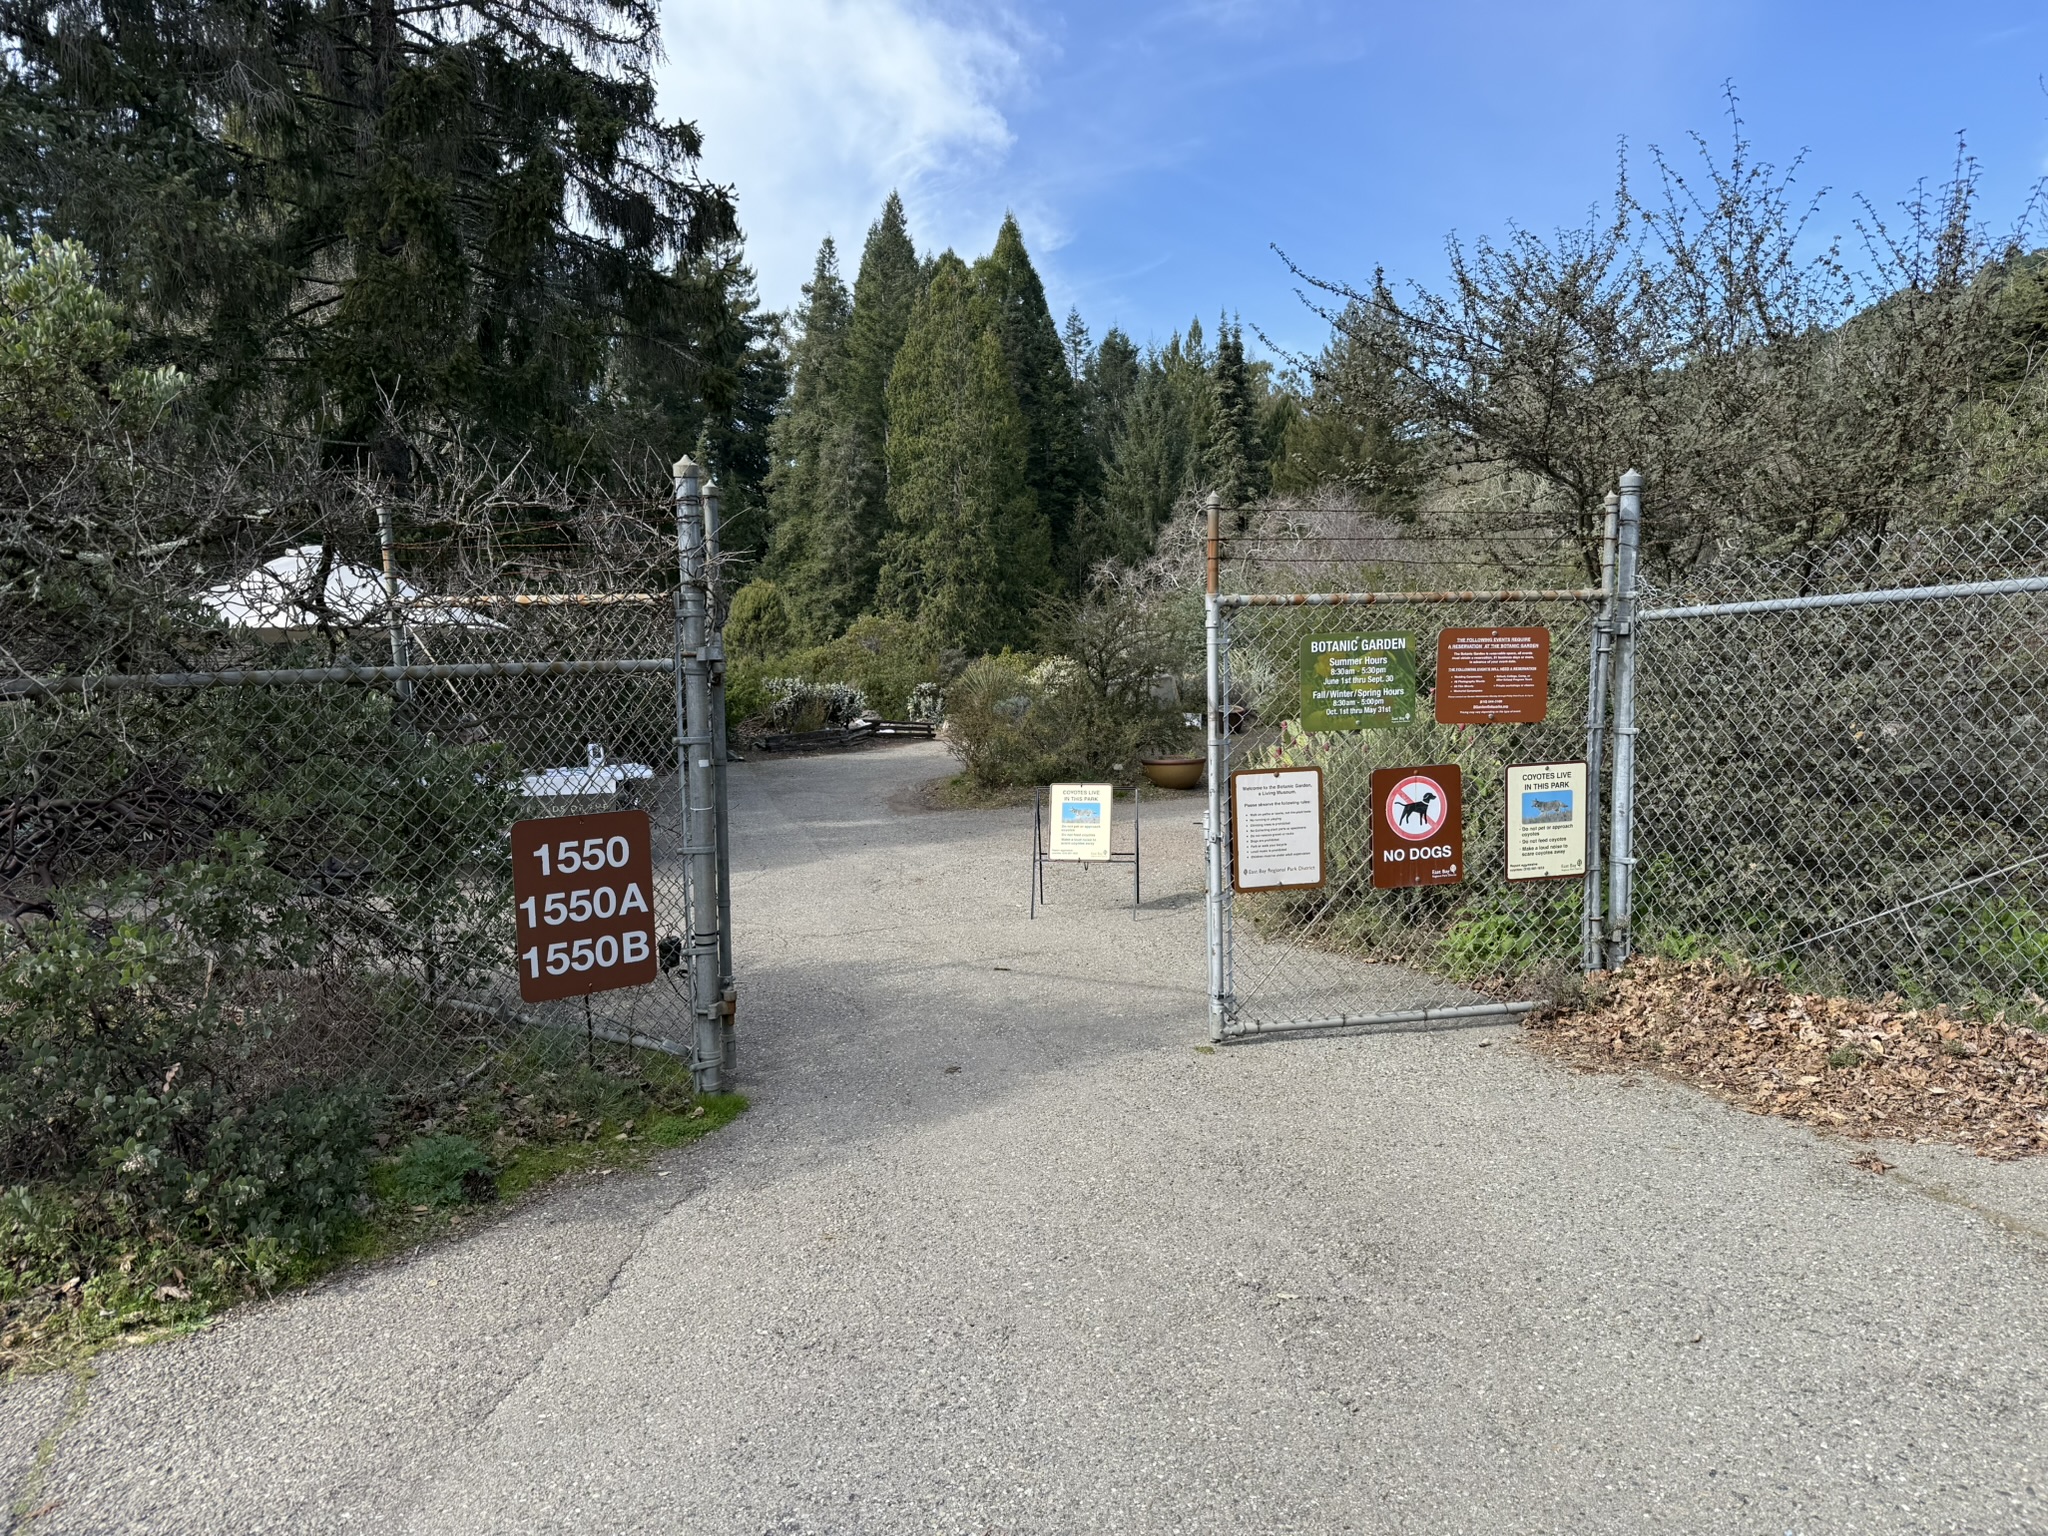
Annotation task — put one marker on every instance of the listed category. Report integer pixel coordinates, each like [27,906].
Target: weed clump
[162,1157]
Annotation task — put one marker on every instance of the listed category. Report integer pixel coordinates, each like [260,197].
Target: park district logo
[1416,808]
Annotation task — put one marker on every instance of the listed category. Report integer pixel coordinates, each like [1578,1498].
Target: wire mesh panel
[335,856]
[1850,783]
[1291,955]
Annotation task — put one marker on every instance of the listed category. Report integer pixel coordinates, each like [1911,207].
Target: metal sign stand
[1042,856]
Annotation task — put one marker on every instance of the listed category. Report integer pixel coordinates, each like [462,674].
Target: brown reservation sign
[583,904]
[1418,826]
[1492,676]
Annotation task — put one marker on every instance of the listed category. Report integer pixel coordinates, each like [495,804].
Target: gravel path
[1001,1248]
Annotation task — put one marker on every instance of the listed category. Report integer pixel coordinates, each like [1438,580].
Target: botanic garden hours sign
[1354,682]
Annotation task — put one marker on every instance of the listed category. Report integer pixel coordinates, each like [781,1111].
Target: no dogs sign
[1418,826]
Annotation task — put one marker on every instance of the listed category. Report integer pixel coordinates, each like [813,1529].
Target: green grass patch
[962,793]
[69,1286]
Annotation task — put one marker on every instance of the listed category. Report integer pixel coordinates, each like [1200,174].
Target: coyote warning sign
[1418,832]
[1546,821]
[1080,821]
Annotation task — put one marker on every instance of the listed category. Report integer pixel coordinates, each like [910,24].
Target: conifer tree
[1109,380]
[884,292]
[1060,469]
[969,555]
[1235,458]
[1077,344]
[1162,437]
[456,213]
[851,511]
[1347,430]
[1105,379]
[815,454]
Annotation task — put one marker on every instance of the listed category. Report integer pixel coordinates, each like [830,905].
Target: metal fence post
[394,613]
[1592,944]
[1213,831]
[1621,838]
[693,739]
[728,995]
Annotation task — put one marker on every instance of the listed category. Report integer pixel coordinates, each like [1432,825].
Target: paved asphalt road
[1000,1250]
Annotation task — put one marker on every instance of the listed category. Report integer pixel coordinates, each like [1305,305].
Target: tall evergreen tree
[884,292]
[813,448]
[1235,457]
[1348,432]
[1105,378]
[1109,379]
[1059,467]
[970,553]
[1076,343]
[450,214]
[852,512]
[1162,437]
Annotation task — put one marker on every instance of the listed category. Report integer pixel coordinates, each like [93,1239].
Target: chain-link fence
[1298,957]
[289,866]
[1483,929]
[370,821]
[1829,761]
[1842,764]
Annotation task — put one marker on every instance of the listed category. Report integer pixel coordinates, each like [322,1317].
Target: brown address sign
[1492,676]
[583,904]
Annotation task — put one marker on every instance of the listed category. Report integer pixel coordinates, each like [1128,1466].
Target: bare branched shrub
[1774,392]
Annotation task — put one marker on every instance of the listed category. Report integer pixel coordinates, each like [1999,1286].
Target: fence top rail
[244,677]
[542,599]
[1399,599]
[2012,586]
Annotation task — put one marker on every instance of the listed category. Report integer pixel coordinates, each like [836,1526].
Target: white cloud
[812,110]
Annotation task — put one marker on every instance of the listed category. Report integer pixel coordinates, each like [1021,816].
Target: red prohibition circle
[1416,808]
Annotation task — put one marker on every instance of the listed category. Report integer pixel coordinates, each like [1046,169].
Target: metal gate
[374,801]
[1301,959]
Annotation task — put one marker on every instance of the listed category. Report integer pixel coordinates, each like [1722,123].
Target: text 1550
[591,853]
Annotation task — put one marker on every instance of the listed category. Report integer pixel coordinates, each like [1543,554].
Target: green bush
[1481,944]
[1105,697]
[994,722]
[1015,721]
[797,704]
[757,623]
[746,688]
[133,1122]
[885,660]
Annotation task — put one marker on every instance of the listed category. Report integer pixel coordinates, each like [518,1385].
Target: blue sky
[1155,152]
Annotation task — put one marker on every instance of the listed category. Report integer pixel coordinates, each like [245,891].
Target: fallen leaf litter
[1864,1069]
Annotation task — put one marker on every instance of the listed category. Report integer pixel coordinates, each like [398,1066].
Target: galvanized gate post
[728,995]
[394,610]
[1214,830]
[1592,945]
[693,740]
[1621,838]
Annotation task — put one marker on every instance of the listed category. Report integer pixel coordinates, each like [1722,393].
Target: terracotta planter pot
[1173,772]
